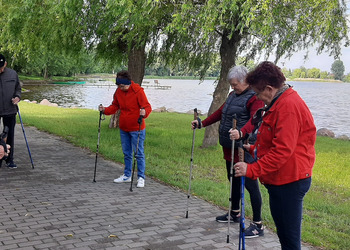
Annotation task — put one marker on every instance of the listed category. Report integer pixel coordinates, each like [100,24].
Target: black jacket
[10,87]
[235,105]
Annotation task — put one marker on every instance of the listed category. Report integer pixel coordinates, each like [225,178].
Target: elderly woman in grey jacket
[243,104]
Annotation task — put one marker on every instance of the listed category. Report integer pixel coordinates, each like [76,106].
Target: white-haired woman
[242,103]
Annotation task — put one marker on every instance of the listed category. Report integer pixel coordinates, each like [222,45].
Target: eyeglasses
[258,92]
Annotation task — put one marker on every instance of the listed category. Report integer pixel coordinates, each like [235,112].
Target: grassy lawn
[168,151]
[53,78]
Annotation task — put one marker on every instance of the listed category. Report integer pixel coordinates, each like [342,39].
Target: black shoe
[224,218]
[253,231]
[11,165]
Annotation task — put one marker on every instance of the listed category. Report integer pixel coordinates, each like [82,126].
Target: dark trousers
[255,197]
[286,205]
[254,191]
[10,122]
[236,187]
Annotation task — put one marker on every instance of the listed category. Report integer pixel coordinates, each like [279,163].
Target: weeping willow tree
[250,28]
[122,32]
[42,33]
[127,32]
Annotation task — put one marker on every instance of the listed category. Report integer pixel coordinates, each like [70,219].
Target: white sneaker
[122,179]
[140,182]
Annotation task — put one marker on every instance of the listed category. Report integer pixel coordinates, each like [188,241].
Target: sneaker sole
[255,236]
[226,221]
[251,237]
[122,181]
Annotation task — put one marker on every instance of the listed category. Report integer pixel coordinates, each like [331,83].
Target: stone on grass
[325,132]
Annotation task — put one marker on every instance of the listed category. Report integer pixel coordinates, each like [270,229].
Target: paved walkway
[58,206]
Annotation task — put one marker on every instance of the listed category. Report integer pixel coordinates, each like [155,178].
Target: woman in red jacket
[132,102]
[284,150]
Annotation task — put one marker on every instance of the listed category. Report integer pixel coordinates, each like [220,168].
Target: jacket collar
[277,99]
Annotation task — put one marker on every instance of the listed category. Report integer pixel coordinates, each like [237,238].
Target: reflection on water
[328,102]
[84,96]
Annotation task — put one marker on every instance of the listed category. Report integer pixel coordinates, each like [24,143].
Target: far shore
[41,80]
[313,80]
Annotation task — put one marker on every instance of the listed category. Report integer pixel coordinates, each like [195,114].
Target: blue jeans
[129,145]
[286,205]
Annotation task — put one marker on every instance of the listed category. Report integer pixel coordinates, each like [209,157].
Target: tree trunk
[137,63]
[136,68]
[45,73]
[228,53]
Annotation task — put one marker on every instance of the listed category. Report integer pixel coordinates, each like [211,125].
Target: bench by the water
[145,84]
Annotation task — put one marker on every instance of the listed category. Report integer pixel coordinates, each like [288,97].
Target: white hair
[237,72]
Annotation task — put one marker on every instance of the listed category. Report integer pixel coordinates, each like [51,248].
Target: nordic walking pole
[139,121]
[98,141]
[189,183]
[234,124]
[241,244]
[25,138]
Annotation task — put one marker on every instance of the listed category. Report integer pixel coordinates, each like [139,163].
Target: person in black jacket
[10,93]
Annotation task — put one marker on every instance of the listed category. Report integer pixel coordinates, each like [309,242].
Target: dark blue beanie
[123,81]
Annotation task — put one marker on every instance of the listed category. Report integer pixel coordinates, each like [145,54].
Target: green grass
[168,153]
[179,77]
[39,78]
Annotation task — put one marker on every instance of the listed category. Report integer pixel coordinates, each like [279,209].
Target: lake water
[328,102]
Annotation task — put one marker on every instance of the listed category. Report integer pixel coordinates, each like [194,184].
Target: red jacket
[285,143]
[129,103]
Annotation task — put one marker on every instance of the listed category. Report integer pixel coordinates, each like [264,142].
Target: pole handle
[234,121]
[195,116]
[240,152]
[139,121]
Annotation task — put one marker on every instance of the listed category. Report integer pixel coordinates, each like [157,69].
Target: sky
[322,61]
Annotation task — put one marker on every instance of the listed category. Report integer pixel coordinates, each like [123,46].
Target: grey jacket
[10,87]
